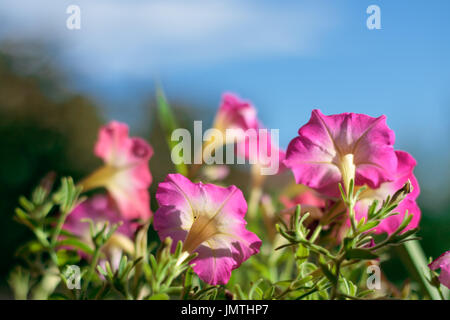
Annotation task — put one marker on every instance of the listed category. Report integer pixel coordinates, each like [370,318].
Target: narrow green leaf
[159,296]
[77,244]
[168,124]
[67,257]
[330,276]
[360,254]
[368,226]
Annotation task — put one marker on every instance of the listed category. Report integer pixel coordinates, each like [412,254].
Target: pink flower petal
[101,209]
[406,164]
[442,260]
[222,254]
[260,150]
[390,224]
[443,263]
[209,220]
[444,276]
[235,113]
[315,155]
[306,197]
[130,176]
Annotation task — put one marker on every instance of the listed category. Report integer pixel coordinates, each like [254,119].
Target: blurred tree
[43,128]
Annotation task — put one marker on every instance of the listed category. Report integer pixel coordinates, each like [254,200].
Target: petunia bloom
[309,202]
[337,148]
[126,174]
[210,221]
[259,149]
[237,120]
[443,262]
[404,172]
[101,209]
[215,172]
[235,113]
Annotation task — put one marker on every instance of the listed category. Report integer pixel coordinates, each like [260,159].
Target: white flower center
[348,170]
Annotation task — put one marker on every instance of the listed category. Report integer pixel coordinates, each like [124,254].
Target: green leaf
[406,220]
[102,271]
[368,226]
[253,288]
[405,234]
[109,270]
[23,217]
[349,287]
[19,281]
[348,243]
[26,204]
[30,247]
[187,286]
[371,212]
[67,257]
[159,296]
[66,197]
[168,124]
[360,254]
[364,293]
[343,194]
[268,294]
[58,296]
[123,263]
[241,295]
[301,254]
[330,276]
[298,283]
[77,244]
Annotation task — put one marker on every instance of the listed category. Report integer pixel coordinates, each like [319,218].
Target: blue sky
[288,57]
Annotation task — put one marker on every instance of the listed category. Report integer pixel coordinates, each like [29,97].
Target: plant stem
[334,291]
[440,293]
[417,257]
[91,270]
[58,228]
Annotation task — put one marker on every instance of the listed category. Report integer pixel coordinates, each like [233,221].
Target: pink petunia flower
[253,142]
[305,198]
[260,150]
[309,201]
[126,174]
[404,172]
[443,262]
[210,221]
[215,172]
[338,148]
[101,209]
[235,113]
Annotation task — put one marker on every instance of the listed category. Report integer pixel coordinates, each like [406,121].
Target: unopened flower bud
[401,193]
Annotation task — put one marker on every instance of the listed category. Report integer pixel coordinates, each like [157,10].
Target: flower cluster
[349,186]
[335,149]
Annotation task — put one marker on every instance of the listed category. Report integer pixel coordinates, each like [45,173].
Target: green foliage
[297,264]
[169,124]
[330,265]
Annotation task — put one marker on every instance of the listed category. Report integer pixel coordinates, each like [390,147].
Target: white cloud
[142,36]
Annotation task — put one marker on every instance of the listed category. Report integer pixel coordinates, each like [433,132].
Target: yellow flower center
[201,230]
[99,178]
